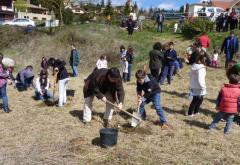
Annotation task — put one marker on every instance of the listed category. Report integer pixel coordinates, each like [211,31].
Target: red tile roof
[225,4]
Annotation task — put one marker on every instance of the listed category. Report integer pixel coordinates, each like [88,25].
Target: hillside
[36,134]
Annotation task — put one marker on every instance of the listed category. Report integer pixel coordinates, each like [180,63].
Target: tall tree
[135,7]
[109,9]
[102,3]
[21,5]
[127,9]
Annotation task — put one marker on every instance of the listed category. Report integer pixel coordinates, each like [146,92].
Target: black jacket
[150,87]
[62,74]
[98,84]
[155,59]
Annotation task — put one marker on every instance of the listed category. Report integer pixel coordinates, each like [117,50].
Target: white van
[207,11]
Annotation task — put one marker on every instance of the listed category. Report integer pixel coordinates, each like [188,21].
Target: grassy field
[36,134]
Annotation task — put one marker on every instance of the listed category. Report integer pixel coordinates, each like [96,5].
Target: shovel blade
[135,122]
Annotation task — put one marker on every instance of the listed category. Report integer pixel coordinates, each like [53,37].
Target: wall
[34,16]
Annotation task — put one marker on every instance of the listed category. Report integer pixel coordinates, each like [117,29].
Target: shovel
[136,121]
[51,101]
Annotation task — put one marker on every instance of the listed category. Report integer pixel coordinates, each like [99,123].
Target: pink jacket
[204,41]
[3,76]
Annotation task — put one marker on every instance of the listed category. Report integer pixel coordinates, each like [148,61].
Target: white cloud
[167,6]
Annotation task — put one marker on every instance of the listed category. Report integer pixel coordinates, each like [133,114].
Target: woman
[42,86]
[129,58]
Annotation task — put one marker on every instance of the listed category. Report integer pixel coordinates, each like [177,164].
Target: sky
[166,4]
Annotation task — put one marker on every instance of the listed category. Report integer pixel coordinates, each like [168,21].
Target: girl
[129,58]
[42,86]
[125,69]
[228,102]
[197,83]
[102,62]
[62,79]
[214,58]
[44,63]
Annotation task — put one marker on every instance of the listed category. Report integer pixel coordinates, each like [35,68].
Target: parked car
[207,11]
[20,22]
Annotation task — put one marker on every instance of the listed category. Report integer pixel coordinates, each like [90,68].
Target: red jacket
[229,98]
[204,41]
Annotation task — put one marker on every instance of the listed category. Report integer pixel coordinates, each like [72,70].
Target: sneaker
[165,126]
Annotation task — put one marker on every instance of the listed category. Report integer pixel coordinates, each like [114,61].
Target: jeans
[167,71]
[125,77]
[45,96]
[62,88]
[156,100]
[160,27]
[229,57]
[129,72]
[3,92]
[229,117]
[75,71]
[195,105]
[24,85]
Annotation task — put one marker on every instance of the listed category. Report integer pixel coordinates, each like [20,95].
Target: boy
[151,89]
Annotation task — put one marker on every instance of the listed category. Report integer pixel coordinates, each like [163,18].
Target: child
[170,56]
[62,78]
[228,102]
[102,62]
[197,83]
[214,58]
[25,78]
[42,86]
[125,69]
[148,85]
[44,63]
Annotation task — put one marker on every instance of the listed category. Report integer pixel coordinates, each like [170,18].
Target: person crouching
[106,85]
[42,86]
[151,89]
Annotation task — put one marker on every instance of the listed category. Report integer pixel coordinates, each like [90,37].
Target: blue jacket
[169,57]
[226,45]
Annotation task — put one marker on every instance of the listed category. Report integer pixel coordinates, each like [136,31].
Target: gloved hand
[104,99]
[120,106]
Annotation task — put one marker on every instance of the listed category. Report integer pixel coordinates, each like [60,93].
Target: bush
[194,27]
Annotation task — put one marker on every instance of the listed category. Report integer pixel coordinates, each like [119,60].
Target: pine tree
[135,7]
[109,9]
[127,9]
[102,3]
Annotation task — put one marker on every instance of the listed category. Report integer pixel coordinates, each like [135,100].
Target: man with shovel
[105,84]
[147,84]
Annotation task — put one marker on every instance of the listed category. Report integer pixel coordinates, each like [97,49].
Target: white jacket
[197,80]
[125,66]
[38,86]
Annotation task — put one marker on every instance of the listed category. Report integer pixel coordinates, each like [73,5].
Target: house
[226,4]
[6,10]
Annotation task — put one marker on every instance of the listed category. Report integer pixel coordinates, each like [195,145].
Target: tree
[135,7]
[181,10]
[109,9]
[21,5]
[68,16]
[102,3]
[127,9]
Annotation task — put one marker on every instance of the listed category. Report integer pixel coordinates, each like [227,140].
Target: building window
[44,19]
[35,17]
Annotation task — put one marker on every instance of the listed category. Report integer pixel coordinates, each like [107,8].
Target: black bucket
[70,92]
[108,137]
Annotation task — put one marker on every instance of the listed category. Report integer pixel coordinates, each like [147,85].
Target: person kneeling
[105,84]
[42,86]
[25,78]
[147,84]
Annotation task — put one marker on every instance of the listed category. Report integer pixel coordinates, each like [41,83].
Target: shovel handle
[126,112]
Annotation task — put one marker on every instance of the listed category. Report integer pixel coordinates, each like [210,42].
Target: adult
[3,85]
[130,58]
[230,47]
[130,26]
[204,41]
[74,60]
[170,56]
[159,20]
[233,19]
[155,59]
[226,20]
[62,79]
[105,84]
[219,22]
[25,78]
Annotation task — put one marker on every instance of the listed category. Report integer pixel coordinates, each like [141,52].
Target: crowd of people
[107,83]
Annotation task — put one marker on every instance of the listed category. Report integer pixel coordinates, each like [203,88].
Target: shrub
[68,16]
[194,27]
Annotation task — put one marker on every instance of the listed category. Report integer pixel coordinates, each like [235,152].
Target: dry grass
[36,134]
